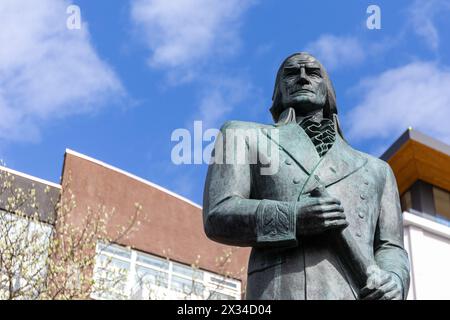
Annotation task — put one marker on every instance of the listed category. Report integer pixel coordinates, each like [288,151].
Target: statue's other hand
[382,285]
[316,215]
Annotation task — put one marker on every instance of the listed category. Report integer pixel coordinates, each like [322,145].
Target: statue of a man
[326,222]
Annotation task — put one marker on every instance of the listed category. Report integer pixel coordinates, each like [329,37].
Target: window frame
[133,287]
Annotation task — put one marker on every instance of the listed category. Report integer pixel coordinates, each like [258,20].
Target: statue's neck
[315,116]
[289,115]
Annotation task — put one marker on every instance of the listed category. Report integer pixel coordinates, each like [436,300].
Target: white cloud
[337,51]
[181,33]
[46,70]
[343,51]
[222,97]
[185,37]
[422,17]
[414,95]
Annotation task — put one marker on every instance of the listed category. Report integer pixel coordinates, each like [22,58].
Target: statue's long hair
[330,108]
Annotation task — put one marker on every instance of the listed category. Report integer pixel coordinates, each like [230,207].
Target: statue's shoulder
[375,164]
[244,125]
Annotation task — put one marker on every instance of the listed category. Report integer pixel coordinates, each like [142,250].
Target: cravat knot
[322,134]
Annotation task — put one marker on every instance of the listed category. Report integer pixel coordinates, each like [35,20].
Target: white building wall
[428,246]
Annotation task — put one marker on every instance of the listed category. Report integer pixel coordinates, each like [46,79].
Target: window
[406,201]
[442,202]
[24,245]
[111,277]
[121,273]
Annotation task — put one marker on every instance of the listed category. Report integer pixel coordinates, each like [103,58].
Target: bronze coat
[244,208]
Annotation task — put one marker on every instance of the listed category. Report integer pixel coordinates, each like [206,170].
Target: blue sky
[137,70]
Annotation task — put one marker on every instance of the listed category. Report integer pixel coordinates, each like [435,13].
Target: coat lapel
[337,164]
[293,140]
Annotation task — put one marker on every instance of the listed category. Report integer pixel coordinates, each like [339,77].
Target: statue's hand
[318,214]
[382,285]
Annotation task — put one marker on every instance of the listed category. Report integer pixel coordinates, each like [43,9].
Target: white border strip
[130,175]
[27,176]
[426,224]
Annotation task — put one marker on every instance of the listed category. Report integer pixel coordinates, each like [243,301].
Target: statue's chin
[306,108]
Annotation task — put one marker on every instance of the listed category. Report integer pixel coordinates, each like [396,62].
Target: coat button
[296,180]
[358,234]
[366,183]
[288,162]
[363,197]
[361,214]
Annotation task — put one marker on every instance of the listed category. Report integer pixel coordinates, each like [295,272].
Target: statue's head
[303,84]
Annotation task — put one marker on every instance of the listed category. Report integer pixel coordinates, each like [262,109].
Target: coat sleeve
[230,216]
[389,250]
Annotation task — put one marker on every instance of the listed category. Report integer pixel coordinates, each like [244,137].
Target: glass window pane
[198,289]
[187,286]
[224,282]
[111,275]
[181,284]
[113,264]
[27,266]
[442,202]
[406,201]
[115,249]
[220,296]
[187,271]
[153,261]
[146,276]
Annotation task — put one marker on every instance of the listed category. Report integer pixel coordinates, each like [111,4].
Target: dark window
[406,201]
[442,202]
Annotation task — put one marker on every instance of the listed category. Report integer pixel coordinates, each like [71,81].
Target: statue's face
[302,85]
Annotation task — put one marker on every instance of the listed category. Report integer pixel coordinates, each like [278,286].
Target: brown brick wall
[173,229]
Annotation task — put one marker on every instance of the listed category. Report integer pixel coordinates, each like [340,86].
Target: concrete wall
[428,245]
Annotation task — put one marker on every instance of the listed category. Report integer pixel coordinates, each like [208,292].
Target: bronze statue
[326,223]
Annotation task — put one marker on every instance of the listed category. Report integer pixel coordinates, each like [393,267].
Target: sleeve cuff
[400,281]
[276,223]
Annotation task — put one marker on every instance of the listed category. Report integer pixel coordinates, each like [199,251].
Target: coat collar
[337,164]
[294,141]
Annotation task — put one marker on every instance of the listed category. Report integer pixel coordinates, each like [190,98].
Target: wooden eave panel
[433,166]
[416,161]
[404,167]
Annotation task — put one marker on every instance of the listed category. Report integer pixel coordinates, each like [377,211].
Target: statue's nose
[303,77]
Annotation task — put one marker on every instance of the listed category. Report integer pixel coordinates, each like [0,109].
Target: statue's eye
[315,73]
[290,76]
[289,72]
